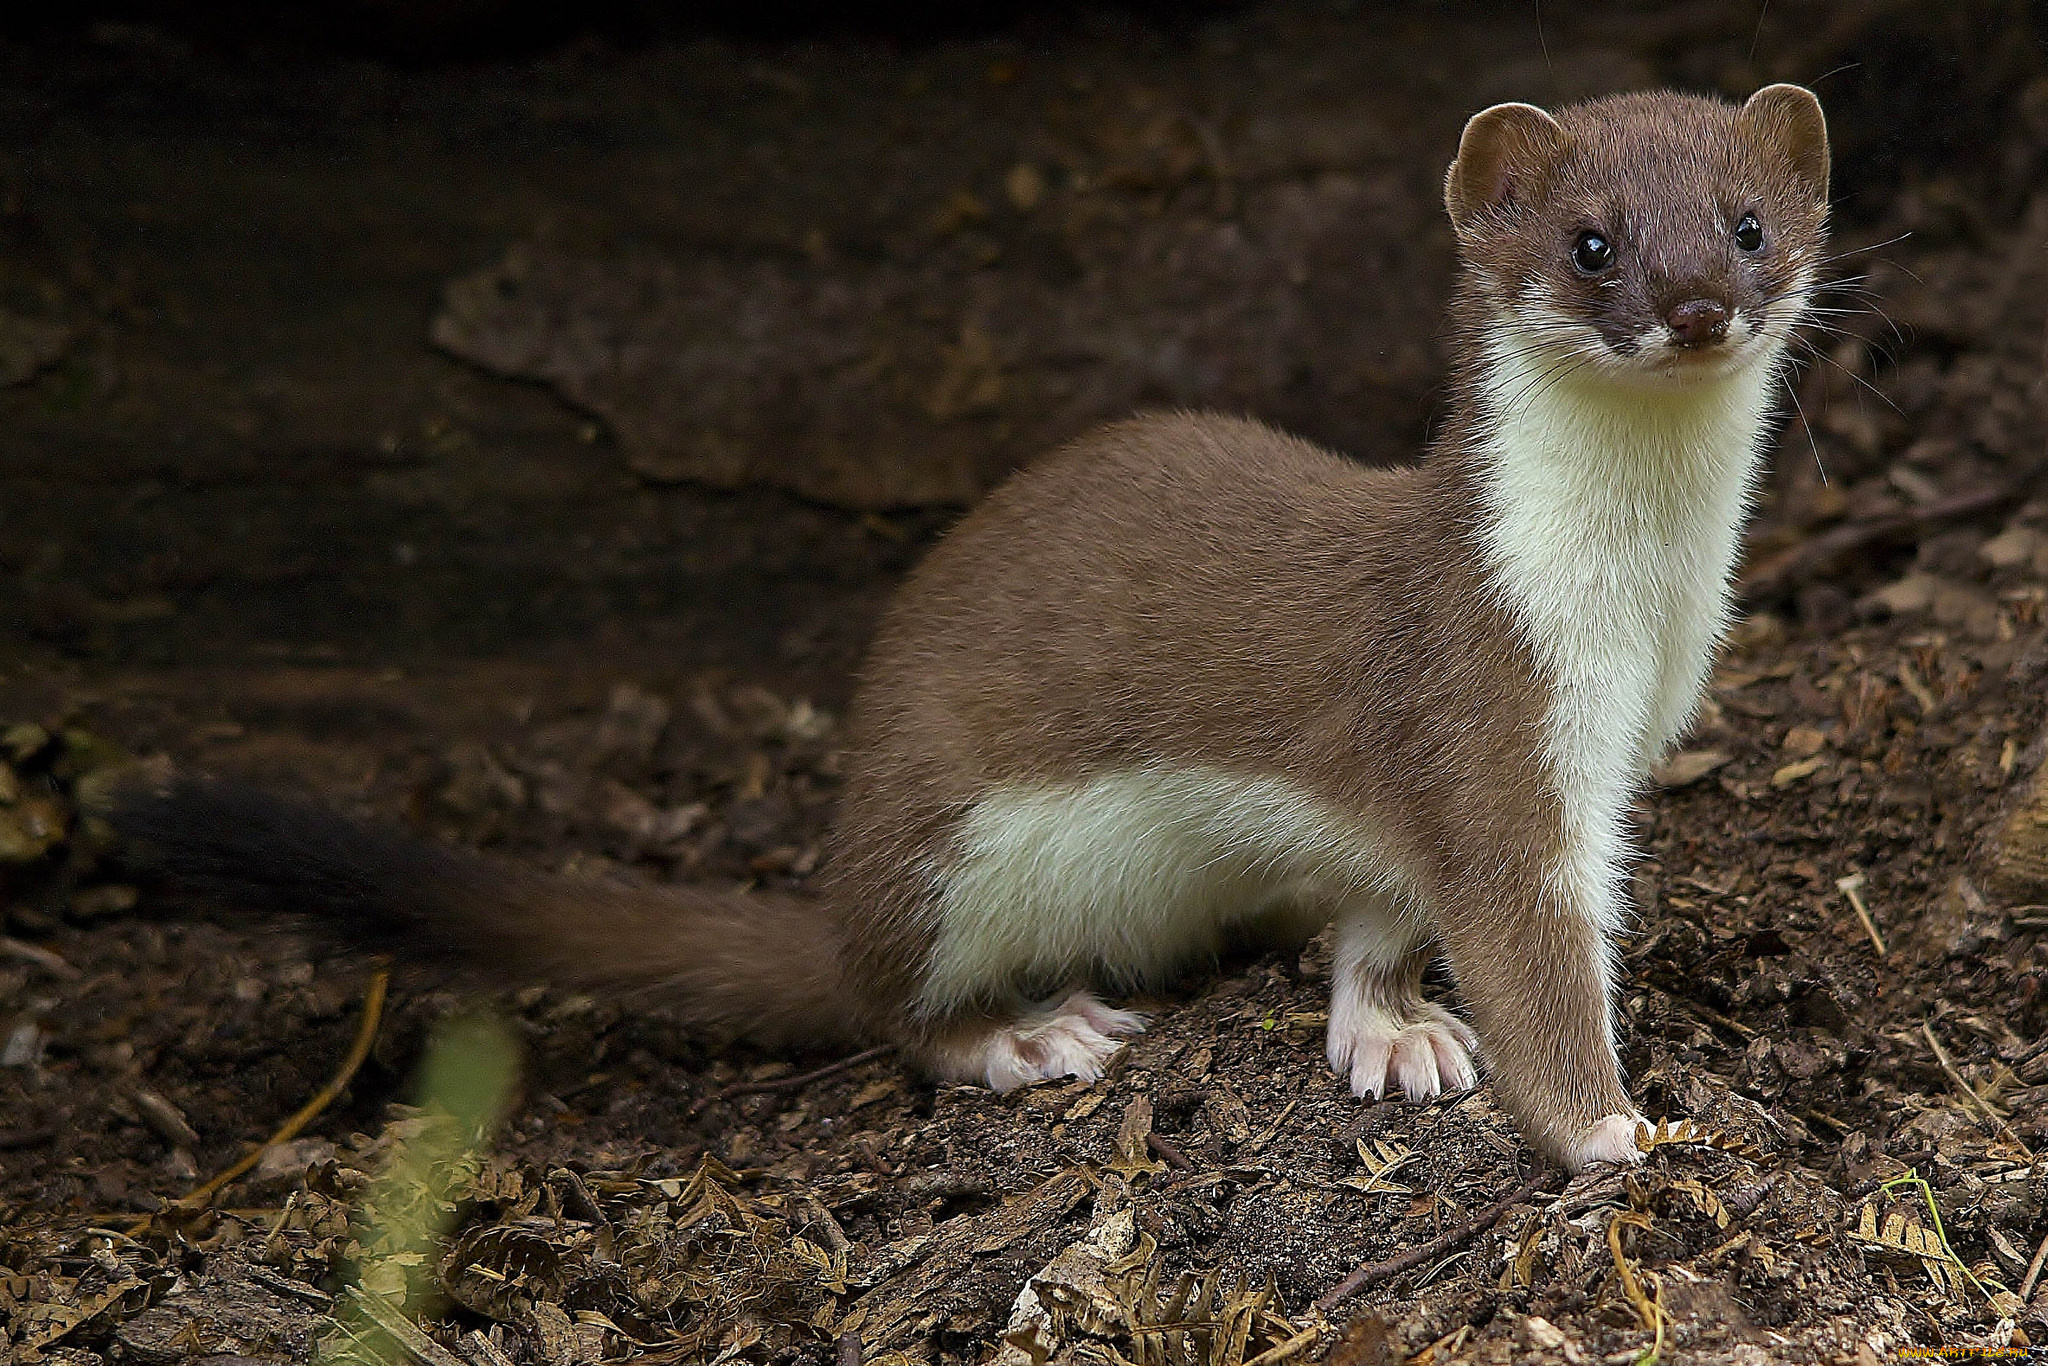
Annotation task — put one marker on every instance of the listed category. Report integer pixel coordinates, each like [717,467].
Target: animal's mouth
[1683,360]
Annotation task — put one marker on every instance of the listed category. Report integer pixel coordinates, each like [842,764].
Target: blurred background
[443,337]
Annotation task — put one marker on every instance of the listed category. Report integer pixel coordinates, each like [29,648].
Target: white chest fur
[1616,509]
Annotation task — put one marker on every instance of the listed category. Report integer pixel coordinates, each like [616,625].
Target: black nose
[1698,322]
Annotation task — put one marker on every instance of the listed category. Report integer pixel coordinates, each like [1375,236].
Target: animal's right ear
[1502,147]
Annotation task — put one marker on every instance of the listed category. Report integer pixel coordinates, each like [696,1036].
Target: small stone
[23,741]
[1541,1335]
[1025,185]
[2012,547]
[29,828]
[1903,597]
[806,722]
[1804,741]
[1792,773]
[24,1046]
[661,829]
[112,898]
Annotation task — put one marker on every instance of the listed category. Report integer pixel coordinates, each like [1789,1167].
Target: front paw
[1425,1055]
[1612,1139]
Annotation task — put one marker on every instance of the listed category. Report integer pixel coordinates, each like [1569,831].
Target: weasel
[1191,676]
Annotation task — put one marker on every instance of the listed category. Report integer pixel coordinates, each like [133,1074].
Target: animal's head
[1656,236]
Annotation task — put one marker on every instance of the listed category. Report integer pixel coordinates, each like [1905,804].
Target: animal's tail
[765,966]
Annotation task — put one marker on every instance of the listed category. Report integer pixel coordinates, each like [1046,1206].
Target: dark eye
[1592,253]
[1749,234]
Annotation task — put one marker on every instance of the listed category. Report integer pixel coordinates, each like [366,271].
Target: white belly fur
[1135,873]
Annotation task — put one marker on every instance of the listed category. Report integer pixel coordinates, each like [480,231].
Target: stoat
[1190,676]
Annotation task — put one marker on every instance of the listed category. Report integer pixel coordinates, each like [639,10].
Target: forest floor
[252,521]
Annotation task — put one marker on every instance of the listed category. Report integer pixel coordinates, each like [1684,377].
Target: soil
[262,513]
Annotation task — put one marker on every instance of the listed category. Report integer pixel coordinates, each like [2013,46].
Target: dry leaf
[1380,1160]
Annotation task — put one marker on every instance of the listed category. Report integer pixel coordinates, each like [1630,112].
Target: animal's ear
[1787,120]
[1502,147]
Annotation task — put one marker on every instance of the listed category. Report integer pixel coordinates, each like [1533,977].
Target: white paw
[1074,1039]
[1612,1139]
[1117,1024]
[1427,1054]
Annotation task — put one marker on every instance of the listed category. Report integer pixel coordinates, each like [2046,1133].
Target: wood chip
[2019,861]
[167,1119]
[49,962]
[1684,769]
[1792,773]
[1852,888]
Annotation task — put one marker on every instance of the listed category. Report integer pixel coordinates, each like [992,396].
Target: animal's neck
[1611,518]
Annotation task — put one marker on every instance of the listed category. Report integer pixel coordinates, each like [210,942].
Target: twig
[406,1335]
[1852,887]
[108,1218]
[1779,574]
[2034,1270]
[1706,1012]
[750,1088]
[1457,1236]
[1272,1129]
[1977,1102]
[366,1034]
[1814,1112]
[284,1285]
[1273,1356]
[52,963]
[481,1351]
[1169,1152]
[1648,1312]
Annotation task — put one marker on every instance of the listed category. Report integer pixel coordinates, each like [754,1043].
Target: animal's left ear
[1787,119]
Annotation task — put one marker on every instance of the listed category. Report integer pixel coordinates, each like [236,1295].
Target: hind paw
[1072,1039]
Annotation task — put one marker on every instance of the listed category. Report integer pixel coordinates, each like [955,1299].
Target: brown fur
[1199,590]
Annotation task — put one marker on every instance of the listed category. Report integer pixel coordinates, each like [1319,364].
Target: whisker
[1512,401]
[1792,392]
[1519,353]
[1557,378]
[1858,251]
[1534,389]
[1850,285]
[1819,354]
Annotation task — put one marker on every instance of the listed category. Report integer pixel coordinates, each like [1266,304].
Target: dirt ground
[310,471]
